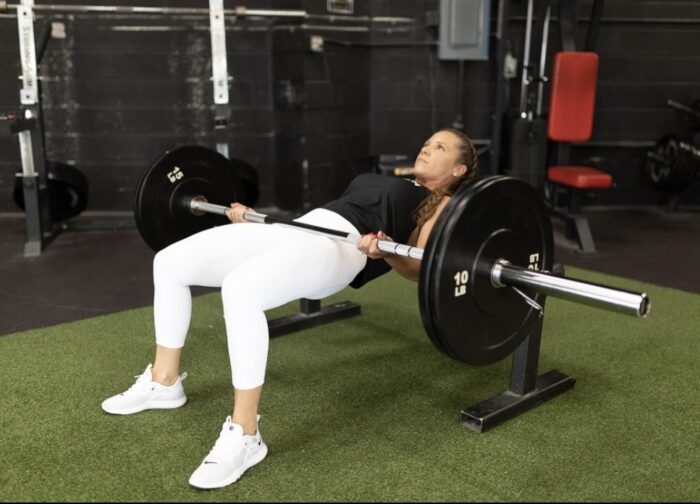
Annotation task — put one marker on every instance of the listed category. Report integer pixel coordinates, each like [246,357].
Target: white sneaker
[147,394]
[233,453]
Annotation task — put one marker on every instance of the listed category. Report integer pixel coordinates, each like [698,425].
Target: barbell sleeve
[198,205]
[631,303]
[503,273]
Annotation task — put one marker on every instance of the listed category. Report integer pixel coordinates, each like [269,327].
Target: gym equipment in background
[38,200]
[672,165]
[571,109]
[67,191]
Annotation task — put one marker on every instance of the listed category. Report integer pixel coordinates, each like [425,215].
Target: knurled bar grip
[502,272]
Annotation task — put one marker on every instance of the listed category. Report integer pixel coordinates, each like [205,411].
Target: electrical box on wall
[464,29]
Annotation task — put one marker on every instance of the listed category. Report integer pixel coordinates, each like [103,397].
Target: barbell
[484,273]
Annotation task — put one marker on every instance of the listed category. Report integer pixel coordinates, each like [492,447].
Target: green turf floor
[364,409]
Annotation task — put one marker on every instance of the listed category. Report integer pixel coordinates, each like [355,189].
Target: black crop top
[374,202]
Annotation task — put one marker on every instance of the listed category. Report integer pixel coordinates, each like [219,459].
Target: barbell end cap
[644,306]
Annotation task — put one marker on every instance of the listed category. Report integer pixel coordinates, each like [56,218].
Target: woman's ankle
[249,428]
[163,377]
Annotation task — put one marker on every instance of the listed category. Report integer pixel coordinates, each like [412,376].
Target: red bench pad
[580,177]
[572,96]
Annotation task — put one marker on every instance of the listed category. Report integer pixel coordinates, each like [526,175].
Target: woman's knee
[162,264]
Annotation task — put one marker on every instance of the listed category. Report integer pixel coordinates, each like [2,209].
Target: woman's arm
[404,266]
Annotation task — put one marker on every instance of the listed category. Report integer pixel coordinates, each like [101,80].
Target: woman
[262,266]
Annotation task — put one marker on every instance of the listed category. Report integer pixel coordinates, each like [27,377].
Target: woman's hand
[367,244]
[235,213]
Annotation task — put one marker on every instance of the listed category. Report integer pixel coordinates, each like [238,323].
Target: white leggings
[258,267]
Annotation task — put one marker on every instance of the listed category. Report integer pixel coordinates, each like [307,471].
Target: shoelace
[222,447]
[140,385]
[142,382]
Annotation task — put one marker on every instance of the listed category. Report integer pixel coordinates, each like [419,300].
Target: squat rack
[41,227]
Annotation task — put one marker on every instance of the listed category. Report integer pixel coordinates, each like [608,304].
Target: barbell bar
[503,274]
[199,204]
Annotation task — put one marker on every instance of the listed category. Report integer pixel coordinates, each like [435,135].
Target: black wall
[322,102]
[121,89]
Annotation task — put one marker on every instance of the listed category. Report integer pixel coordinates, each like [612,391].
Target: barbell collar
[630,303]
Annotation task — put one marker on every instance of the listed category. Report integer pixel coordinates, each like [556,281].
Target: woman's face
[438,162]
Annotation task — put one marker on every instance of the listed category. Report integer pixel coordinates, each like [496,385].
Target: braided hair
[467,157]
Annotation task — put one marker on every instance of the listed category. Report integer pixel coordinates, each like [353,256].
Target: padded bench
[575,181]
[571,110]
